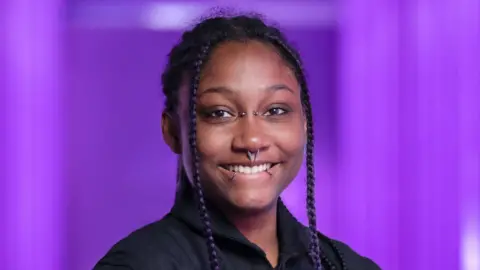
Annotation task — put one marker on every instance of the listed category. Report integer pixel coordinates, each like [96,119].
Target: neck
[261,229]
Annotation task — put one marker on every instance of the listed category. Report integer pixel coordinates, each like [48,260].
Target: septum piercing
[252,156]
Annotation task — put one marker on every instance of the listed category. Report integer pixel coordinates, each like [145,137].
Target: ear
[305,125]
[306,134]
[171,133]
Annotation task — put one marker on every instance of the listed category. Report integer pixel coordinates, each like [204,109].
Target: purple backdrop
[395,87]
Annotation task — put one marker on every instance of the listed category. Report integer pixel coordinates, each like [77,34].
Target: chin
[252,201]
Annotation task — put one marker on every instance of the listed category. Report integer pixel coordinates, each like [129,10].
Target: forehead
[247,64]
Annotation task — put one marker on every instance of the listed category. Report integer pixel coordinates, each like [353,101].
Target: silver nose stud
[243,114]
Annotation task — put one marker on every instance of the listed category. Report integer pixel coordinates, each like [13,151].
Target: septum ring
[252,156]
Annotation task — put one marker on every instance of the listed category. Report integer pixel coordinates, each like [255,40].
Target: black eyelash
[210,114]
[285,111]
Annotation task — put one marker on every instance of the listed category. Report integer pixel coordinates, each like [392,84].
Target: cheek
[291,140]
[213,142]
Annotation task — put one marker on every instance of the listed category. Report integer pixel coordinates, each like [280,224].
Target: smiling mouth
[242,169]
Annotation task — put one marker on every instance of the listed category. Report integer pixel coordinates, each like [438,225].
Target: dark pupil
[275,111]
[219,113]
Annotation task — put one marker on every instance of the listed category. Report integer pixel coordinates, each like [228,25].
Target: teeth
[249,169]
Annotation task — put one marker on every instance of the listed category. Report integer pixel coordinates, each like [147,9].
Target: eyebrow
[228,91]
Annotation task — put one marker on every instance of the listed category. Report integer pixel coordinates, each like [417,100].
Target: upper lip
[249,163]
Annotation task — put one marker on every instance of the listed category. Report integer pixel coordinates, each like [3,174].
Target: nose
[250,136]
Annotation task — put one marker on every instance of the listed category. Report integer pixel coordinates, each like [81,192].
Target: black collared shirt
[176,242]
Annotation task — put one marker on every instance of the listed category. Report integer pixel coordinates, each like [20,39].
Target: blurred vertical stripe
[33,187]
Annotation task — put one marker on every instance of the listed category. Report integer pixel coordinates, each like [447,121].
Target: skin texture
[244,77]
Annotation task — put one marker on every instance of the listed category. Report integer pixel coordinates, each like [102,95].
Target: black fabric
[176,242]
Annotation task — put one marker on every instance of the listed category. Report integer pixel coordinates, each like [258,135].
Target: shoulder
[151,247]
[353,260]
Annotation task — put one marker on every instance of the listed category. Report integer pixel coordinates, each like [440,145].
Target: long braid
[339,254]
[213,257]
[311,209]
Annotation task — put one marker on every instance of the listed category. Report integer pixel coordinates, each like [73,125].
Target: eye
[275,111]
[219,114]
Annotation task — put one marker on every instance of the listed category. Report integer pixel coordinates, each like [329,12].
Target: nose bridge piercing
[242,114]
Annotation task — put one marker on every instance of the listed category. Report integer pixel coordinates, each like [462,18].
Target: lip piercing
[252,156]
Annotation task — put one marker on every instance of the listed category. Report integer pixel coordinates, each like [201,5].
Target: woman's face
[243,77]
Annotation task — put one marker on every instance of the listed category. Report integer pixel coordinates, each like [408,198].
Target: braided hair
[188,58]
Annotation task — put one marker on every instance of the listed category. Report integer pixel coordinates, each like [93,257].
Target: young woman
[238,115]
